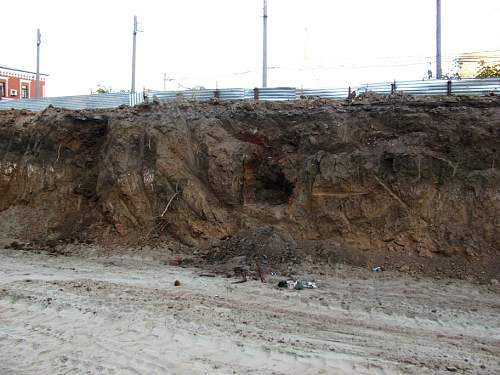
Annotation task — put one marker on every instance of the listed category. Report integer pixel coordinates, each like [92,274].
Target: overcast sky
[312,43]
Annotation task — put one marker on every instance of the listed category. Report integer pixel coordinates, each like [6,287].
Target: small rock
[15,245]
[177,283]
[451,368]
[495,282]
[470,253]
[404,268]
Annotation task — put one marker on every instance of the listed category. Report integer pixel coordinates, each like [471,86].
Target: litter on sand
[298,284]
[377,269]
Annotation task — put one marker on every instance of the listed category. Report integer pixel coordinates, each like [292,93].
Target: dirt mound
[263,250]
[385,179]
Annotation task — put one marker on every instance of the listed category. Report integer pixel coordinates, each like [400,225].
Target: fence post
[393,87]
[448,87]
[217,94]
[256,93]
[349,93]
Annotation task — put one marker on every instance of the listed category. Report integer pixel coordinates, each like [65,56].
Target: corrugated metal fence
[112,100]
[436,87]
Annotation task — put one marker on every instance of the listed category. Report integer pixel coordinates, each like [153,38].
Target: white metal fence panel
[436,87]
[135,98]
[277,94]
[231,94]
[112,100]
[324,93]
[476,87]
[163,95]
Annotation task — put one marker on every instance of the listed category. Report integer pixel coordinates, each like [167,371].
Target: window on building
[2,89]
[24,92]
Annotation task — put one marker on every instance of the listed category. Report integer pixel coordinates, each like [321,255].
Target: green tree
[488,71]
[101,90]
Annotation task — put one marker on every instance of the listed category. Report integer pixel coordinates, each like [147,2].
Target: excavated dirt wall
[393,180]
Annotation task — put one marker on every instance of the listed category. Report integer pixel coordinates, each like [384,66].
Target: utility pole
[439,71]
[264,45]
[38,42]
[164,81]
[133,53]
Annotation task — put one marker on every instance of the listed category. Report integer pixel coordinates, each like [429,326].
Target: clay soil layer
[397,182]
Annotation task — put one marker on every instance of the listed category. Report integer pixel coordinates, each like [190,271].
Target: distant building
[468,63]
[19,84]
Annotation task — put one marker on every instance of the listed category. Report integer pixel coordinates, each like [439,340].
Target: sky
[218,43]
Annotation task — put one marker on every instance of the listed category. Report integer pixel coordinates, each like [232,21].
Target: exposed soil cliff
[395,181]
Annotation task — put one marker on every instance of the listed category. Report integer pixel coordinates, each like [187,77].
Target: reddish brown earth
[405,183]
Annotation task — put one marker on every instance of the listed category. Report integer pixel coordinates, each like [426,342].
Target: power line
[451,54]
[412,61]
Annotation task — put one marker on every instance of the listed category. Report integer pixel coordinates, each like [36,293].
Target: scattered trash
[177,283]
[282,284]
[377,269]
[298,284]
[275,273]
[306,284]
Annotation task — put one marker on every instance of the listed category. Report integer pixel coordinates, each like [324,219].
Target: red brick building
[19,84]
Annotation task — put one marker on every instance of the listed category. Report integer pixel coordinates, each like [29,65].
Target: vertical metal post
[264,47]
[133,54]
[38,42]
[439,71]
[448,88]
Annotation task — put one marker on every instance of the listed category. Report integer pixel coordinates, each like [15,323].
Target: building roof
[21,70]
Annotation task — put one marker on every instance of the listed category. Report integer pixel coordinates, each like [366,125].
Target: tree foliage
[488,71]
[102,90]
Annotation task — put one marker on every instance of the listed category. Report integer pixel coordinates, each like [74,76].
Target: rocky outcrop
[386,175]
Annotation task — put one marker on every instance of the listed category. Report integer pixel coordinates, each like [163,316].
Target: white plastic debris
[298,284]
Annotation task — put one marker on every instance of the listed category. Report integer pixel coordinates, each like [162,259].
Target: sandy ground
[123,315]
